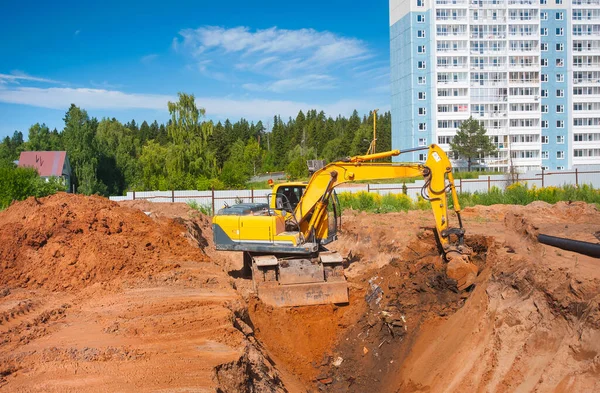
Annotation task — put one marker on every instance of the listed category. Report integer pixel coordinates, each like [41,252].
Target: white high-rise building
[528,69]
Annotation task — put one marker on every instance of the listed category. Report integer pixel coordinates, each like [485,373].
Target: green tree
[189,138]
[80,143]
[236,170]
[471,142]
[40,138]
[253,155]
[17,184]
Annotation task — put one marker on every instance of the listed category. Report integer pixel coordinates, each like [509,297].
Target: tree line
[190,152]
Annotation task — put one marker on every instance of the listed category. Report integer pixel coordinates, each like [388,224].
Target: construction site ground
[132,297]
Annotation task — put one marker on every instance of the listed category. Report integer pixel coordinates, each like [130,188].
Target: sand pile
[70,241]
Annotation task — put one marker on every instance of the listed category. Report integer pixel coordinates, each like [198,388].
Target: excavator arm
[311,211]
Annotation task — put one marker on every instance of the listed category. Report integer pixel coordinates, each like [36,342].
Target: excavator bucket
[460,269]
[300,281]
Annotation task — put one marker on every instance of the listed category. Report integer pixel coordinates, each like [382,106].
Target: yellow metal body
[310,213]
[289,266]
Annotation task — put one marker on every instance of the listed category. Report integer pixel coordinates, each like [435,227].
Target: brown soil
[100,296]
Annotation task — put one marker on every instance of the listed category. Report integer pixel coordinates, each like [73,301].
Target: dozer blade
[307,294]
[460,268]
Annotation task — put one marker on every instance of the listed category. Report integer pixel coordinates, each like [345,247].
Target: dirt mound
[70,241]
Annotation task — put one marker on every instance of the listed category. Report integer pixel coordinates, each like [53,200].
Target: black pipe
[585,248]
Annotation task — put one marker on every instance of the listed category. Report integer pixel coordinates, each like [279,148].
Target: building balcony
[586,82]
[488,52]
[487,4]
[458,20]
[487,36]
[443,3]
[452,36]
[487,21]
[487,83]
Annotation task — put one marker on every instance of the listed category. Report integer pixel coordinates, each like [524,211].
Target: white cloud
[17,76]
[149,58]
[307,82]
[283,55]
[105,85]
[218,108]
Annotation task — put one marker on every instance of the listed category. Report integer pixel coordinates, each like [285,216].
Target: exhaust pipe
[585,248]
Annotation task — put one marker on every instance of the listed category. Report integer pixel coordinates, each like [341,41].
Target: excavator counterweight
[284,241]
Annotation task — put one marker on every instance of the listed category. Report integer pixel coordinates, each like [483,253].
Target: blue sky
[250,59]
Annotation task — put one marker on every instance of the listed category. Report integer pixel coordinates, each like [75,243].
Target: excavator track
[289,282]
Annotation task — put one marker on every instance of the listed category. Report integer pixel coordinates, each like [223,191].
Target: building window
[422,156]
[420,3]
[560,168]
[421,49]
[421,33]
[544,108]
[560,77]
[544,31]
[544,62]
[560,62]
[544,93]
[422,126]
[543,15]
[422,95]
[560,109]
[560,47]
[560,155]
[421,80]
[544,139]
[544,155]
[542,2]
[560,93]
[421,64]
[422,111]
[420,18]
[422,141]
[558,1]
[560,31]
[544,123]
[559,15]
[544,77]
[560,124]
[544,46]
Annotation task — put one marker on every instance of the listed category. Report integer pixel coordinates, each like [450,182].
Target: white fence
[215,200]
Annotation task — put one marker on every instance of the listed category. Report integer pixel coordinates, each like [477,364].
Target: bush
[17,184]
[515,194]
[204,209]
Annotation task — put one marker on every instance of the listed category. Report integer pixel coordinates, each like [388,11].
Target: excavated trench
[353,347]
[530,323]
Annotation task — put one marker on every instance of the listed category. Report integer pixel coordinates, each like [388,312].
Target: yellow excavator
[284,241]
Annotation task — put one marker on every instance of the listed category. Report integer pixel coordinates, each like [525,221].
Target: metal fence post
[368,187]
[542,177]
[489,183]
[252,194]
[134,195]
[213,200]
[460,184]
[173,196]
[576,177]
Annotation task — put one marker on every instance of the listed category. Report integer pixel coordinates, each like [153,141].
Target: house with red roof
[48,164]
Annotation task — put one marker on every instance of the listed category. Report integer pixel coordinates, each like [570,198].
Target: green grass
[521,194]
[516,194]
[204,209]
